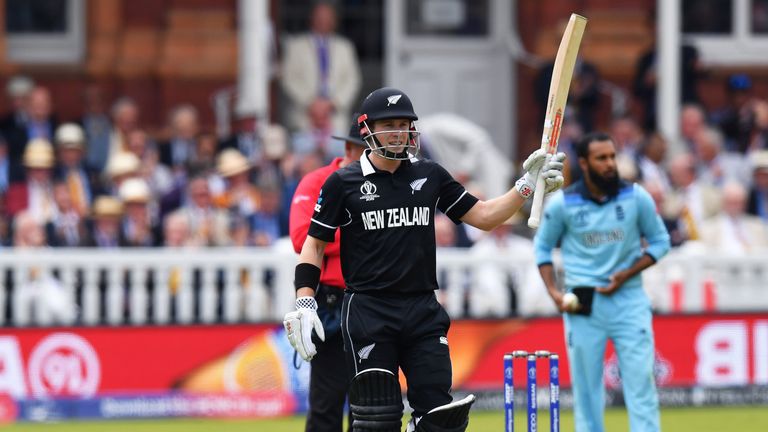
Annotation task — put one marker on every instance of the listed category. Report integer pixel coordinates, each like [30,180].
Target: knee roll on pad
[452,417]
[376,401]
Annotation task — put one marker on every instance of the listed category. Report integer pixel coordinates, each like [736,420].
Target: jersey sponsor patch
[395,218]
[597,238]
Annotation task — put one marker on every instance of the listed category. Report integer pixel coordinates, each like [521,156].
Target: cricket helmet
[383,104]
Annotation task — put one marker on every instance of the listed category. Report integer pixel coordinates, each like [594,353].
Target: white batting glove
[299,325]
[537,164]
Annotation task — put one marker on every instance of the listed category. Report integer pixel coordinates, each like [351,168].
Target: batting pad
[452,417]
[376,401]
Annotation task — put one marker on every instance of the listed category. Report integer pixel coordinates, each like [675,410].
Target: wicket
[554,389]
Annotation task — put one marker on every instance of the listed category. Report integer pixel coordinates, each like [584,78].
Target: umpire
[384,207]
[329,378]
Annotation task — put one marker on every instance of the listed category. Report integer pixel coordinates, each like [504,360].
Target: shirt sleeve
[454,199]
[550,230]
[302,210]
[328,209]
[651,226]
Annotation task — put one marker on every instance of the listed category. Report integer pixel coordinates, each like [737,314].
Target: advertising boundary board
[247,370]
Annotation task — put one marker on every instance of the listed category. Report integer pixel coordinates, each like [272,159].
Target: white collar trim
[366,164]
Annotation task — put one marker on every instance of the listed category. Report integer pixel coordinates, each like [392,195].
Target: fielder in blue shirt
[608,232]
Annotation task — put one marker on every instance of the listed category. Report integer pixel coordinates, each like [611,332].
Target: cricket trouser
[409,331]
[329,377]
[624,318]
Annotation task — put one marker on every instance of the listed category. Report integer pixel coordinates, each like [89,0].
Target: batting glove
[299,325]
[539,163]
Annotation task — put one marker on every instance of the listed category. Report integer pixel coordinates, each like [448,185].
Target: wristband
[307,275]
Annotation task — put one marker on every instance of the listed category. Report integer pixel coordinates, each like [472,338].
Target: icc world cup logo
[368,190]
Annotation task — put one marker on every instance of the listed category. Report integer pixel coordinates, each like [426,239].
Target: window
[45,31]
[760,17]
[447,17]
[727,32]
[708,17]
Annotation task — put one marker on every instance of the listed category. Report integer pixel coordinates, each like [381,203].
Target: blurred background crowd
[110,177]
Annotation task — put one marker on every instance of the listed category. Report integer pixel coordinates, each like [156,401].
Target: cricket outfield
[714,419]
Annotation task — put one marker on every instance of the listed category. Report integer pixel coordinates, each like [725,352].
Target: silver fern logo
[417,184]
[365,352]
[392,100]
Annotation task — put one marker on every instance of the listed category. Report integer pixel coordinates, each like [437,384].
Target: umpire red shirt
[387,222]
[302,208]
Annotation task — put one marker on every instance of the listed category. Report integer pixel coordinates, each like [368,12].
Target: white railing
[139,286]
[156,286]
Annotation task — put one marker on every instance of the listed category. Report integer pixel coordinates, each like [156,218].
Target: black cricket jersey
[387,222]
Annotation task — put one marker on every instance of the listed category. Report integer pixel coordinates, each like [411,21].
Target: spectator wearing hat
[67,226]
[240,197]
[35,193]
[121,167]
[758,194]
[138,228]
[71,168]
[13,125]
[737,118]
[106,214]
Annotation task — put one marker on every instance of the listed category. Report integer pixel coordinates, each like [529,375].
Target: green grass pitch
[741,419]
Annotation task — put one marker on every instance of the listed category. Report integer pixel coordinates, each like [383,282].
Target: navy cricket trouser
[406,331]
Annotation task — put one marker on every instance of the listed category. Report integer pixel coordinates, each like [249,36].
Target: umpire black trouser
[329,378]
[410,331]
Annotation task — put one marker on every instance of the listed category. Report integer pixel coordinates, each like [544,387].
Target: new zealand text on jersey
[395,217]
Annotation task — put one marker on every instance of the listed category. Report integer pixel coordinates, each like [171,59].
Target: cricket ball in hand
[570,301]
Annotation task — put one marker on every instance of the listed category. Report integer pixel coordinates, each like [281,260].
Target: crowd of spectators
[106,181]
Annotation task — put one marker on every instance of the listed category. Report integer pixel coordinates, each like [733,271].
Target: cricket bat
[558,95]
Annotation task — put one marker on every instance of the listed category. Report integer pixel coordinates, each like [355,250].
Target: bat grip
[538,197]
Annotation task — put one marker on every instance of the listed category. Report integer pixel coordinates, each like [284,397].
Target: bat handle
[538,198]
